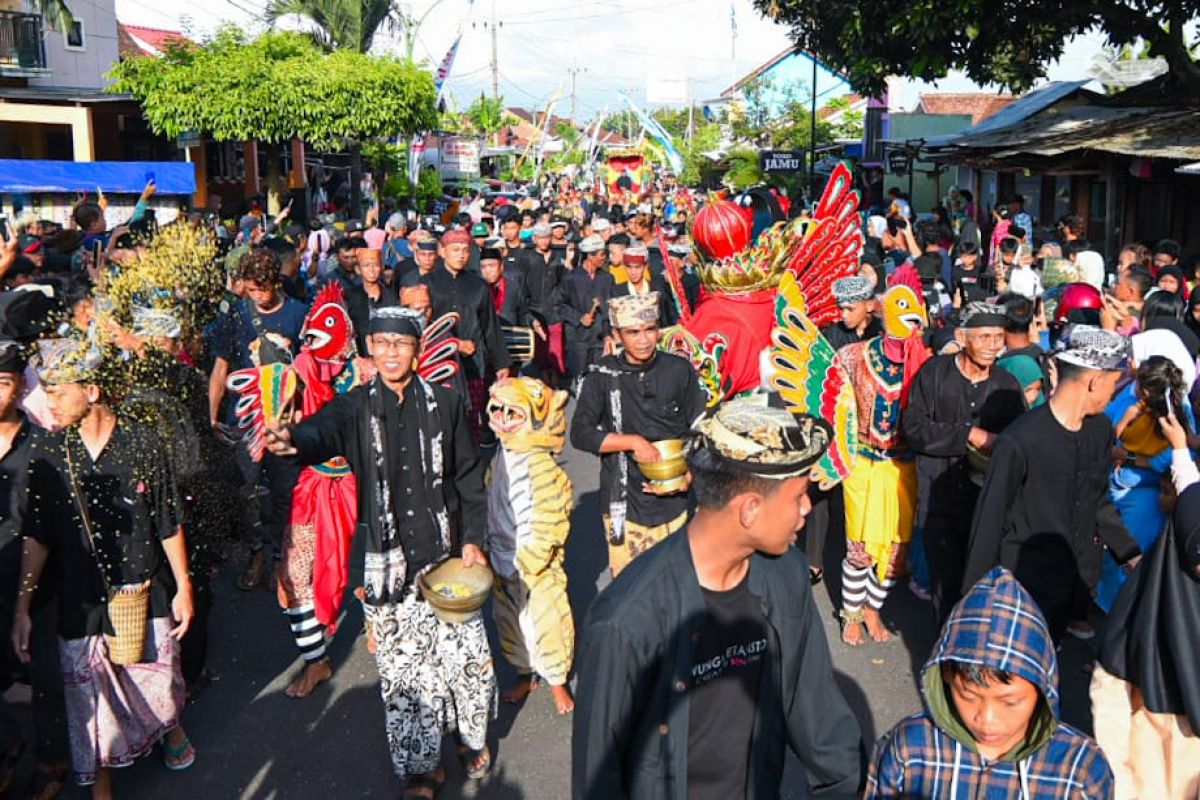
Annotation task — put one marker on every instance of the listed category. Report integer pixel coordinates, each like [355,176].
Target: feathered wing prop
[826,247]
[808,375]
[705,358]
[267,395]
[437,361]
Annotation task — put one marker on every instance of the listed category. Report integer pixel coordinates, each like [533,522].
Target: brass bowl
[474,584]
[671,465]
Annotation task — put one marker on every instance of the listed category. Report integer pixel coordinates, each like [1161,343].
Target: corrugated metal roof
[1015,112]
[1150,132]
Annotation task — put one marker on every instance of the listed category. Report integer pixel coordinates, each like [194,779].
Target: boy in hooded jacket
[991,726]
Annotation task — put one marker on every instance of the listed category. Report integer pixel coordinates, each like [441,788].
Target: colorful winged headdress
[746,249]
[804,368]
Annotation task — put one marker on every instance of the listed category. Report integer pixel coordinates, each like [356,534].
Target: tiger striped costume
[529,512]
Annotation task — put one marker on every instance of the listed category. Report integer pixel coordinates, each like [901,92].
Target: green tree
[1008,42]
[349,25]
[488,116]
[339,24]
[277,87]
[851,124]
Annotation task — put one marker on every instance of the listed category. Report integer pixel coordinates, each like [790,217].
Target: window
[74,37]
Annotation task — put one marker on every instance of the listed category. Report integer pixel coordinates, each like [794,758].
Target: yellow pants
[533,618]
[881,505]
[638,539]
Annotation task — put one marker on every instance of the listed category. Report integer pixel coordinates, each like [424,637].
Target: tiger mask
[527,415]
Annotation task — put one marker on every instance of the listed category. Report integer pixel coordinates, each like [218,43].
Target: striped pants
[296,591]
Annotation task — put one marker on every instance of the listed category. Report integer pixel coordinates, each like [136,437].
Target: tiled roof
[136,40]
[979,105]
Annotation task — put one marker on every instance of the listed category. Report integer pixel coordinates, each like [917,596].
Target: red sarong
[328,504]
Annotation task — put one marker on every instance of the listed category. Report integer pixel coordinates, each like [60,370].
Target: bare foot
[102,788]
[563,700]
[875,626]
[313,675]
[852,633]
[525,686]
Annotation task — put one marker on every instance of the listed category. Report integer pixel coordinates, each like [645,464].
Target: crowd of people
[1020,453]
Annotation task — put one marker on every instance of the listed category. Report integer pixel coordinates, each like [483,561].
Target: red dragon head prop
[328,332]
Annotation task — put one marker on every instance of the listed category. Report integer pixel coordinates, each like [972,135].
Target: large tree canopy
[277,87]
[1009,42]
[339,24]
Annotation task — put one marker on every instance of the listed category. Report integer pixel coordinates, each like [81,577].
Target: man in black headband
[420,500]
[958,403]
[707,654]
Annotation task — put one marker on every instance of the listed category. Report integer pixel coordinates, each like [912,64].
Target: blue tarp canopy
[31,176]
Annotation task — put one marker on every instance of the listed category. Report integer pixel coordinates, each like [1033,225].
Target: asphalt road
[254,743]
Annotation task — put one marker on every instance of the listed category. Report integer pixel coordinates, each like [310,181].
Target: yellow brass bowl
[454,592]
[671,465]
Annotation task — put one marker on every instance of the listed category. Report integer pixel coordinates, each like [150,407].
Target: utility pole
[573,72]
[495,60]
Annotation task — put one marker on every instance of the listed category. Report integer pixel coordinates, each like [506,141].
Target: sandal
[476,763]
[177,759]
[425,787]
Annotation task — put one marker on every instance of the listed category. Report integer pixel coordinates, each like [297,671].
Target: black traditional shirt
[1044,511]
[131,505]
[574,297]
[659,400]
[839,335]
[14,466]
[636,658]
[543,273]
[343,427]
[360,304]
[470,297]
[943,406]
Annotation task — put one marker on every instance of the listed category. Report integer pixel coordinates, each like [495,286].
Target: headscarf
[1150,639]
[1027,372]
[1091,267]
[1175,272]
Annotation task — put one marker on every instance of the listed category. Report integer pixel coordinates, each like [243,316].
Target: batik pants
[435,677]
[637,540]
[533,618]
[116,714]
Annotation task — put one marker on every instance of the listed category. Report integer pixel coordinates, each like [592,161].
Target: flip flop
[174,754]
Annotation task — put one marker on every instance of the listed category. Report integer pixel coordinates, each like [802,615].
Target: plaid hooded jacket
[932,755]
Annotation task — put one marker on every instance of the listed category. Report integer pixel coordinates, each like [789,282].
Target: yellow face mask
[903,312]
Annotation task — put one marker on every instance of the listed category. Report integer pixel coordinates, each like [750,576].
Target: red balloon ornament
[722,228]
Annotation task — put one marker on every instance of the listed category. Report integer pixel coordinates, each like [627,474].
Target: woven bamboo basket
[128,610]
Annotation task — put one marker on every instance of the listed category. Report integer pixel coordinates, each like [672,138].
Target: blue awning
[32,176]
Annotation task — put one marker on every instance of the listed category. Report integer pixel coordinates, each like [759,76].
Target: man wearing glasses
[957,403]
[420,501]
